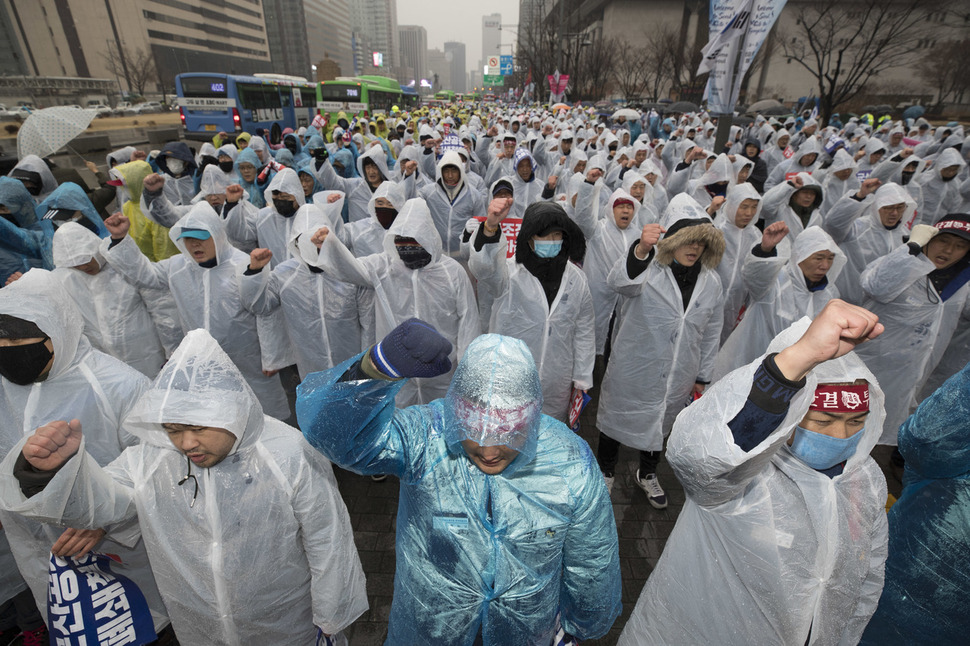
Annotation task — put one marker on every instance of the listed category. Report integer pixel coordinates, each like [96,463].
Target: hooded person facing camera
[665,340]
[246,531]
[782,539]
[411,276]
[541,296]
[505,530]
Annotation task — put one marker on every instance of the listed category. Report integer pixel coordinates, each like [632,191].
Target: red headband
[830,398]
[622,200]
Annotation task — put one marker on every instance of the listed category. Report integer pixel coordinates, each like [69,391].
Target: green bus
[362,96]
[446,95]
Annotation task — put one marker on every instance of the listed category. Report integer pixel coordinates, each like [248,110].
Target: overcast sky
[461,20]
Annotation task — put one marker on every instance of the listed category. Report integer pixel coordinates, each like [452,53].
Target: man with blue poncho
[504,522]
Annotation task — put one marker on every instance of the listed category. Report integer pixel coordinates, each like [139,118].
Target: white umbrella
[47,131]
[629,113]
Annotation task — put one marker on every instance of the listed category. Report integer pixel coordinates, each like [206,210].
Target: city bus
[211,103]
[445,95]
[410,99]
[362,96]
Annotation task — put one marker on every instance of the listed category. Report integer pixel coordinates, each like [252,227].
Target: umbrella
[683,106]
[776,112]
[883,109]
[761,106]
[560,106]
[47,131]
[914,112]
[742,120]
[627,113]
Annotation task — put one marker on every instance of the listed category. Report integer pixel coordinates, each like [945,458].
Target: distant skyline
[463,23]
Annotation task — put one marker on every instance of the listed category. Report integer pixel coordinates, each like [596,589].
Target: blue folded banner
[88,604]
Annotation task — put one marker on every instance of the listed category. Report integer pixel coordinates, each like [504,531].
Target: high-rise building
[81,38]
[456,52]
[285,24]
[491,37]
[414,52]
[376,23]
[439,68]
[328,33]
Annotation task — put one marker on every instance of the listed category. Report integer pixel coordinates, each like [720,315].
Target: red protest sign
[510,227]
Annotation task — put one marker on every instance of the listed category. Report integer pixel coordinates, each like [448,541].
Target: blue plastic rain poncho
[35,170]
[496,555]
[255,549]
[767,550]
[928,569]
[254,190]
[84,384]
[206,297]
[15,225]
[35,242]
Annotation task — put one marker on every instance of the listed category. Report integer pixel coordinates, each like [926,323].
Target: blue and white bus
[211,103]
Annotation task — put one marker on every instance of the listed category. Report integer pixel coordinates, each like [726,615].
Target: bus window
[208,87]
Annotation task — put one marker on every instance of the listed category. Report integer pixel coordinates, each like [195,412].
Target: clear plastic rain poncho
[858,230]
[367,236]
[919,327]
[439,293]
[450,215]
[778,296]
[833,188]
[357,189]
[33,168]
[256,549]
[327,320]
[777,205]
[115,313]
[661,348]
[85,384]
[809,147]
[498,555]
[928,571]
[941,196]
[560,335]
[605,243]
[738,244]
[767,550]
[207,297]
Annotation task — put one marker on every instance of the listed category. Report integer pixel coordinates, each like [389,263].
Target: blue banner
[88,604]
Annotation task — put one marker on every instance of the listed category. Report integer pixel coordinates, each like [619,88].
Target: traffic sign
[493,65]
[494,79]
[506,65]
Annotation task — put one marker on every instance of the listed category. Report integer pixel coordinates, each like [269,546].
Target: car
[148,107]
[19,113]
[101,109]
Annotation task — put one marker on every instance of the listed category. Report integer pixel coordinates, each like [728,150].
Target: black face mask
[718,189]
[286,208]
[22,364]
[226,166]
[385,215]
[290,145]
[948,179]
[906,176]
[413,256]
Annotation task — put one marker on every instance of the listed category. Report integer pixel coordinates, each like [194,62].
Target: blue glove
[412,349]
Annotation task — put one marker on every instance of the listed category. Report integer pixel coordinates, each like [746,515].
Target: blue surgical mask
[547,248]
[821,451]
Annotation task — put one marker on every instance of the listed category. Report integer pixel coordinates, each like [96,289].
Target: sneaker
[36,637]
[651,486]
[609,478]
[379,477]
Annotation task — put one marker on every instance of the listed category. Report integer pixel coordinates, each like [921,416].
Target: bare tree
[631,70]
[951,80]
[846,43]
[136,65]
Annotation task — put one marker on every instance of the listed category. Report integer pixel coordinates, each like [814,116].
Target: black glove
[412,349]
[321,154]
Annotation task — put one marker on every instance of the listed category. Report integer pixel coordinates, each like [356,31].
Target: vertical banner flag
[764,13]
[729,21]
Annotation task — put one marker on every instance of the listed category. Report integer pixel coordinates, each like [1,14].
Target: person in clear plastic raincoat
[805,160]
[503,519]
[785,282]
[204,281]
[151,237]
[372,166]
[452,200]
[116,317]
[35,175]
[928,569]
[327,320]
[57,377]
[410,278]
[921,292]
[782,538]
[247,535]
[738,222]
[666,337]
[366,236]
[540,295]
[794,202]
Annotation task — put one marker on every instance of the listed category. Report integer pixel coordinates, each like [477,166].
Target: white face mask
[175,166]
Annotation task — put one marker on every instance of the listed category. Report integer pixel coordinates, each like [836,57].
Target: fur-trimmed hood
[692,231]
